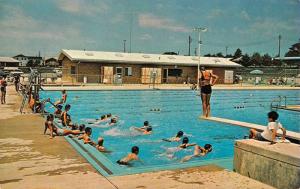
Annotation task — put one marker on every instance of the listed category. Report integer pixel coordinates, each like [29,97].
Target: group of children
[84,133]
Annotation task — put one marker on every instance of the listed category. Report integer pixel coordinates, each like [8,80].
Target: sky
[47,26]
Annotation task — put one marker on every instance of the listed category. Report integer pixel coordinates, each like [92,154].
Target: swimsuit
[205,89]
[120,162]
[60,132]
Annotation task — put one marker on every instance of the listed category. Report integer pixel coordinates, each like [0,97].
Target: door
[228,77]
[165,76]
[107,73]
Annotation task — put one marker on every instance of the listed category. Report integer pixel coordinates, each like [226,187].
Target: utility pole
[190,41]
[199,30]
[130,32]
[124,45]
[195,51]
[279,40]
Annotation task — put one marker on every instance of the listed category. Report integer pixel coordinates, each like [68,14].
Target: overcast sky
[29,26]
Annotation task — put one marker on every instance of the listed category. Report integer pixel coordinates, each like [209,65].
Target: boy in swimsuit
[270,132]
[58,131]
[86,137]
[206,80]
[198,151]
[63,98]
[66,118]
[177,138]
[185,143]
[130,157]
[144,130]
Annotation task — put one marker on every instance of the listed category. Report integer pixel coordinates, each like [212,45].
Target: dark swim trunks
[206,89]
[122,162]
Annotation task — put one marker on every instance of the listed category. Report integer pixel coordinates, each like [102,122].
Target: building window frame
[119,73]
[73,70]
[128,71]
[176,72]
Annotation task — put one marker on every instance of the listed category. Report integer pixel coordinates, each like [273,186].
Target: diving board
[289,134]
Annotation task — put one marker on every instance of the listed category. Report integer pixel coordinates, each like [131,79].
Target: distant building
[112,67]
[9,62]
[25,59]
[52,62]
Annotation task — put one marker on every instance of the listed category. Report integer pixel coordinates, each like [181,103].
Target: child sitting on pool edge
[270,132]
[130,157]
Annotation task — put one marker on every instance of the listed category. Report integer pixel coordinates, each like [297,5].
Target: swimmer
[100,146]
[112,122]
[65,117]
[58,111]
[177,138]
[185,143]
[86,137]
[145,131]
[146,125]
[58,131]
[198,152]
[130,157]
[63,98]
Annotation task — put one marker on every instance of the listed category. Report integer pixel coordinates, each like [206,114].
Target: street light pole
[124,41]
[199,30]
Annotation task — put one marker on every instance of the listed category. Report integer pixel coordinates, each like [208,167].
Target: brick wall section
[93,72]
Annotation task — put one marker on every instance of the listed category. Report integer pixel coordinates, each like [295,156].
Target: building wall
[93,72]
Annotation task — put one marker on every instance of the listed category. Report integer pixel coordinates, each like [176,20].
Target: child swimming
[86,137]
[130,157]
[144,130]
[100,146]
[177,138]
[185,143]
[198,151]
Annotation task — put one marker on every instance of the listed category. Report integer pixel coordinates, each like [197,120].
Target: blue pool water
[179,110]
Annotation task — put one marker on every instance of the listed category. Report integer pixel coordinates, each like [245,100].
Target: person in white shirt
[270,132]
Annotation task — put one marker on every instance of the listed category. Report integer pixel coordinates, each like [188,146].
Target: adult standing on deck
[206,80]
[3,85]
[17,82]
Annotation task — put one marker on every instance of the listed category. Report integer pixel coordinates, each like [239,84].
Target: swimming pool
[179,110]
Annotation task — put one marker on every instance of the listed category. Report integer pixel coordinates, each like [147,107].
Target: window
[128,71]
[119,71]
[73,70]
[175,72]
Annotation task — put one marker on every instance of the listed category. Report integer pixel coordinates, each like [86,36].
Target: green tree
[219,54]
[246,60]
[266,60]
[238,53]
[255,59]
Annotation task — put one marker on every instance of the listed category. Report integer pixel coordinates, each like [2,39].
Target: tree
[208,55]
[237,54]
[255,59]
[219,54]
[266,60]
[246,60]
[33,63]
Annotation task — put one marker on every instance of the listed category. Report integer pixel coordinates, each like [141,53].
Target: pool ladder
[277,103]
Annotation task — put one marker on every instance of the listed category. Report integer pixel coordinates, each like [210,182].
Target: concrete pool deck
[29,159]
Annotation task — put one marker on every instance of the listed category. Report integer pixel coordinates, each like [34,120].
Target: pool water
[179,110]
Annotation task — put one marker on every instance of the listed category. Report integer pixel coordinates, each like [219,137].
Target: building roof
[288,58]
[142,58]
[8,60]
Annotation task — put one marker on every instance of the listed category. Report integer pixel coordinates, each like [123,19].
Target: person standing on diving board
[206,80]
